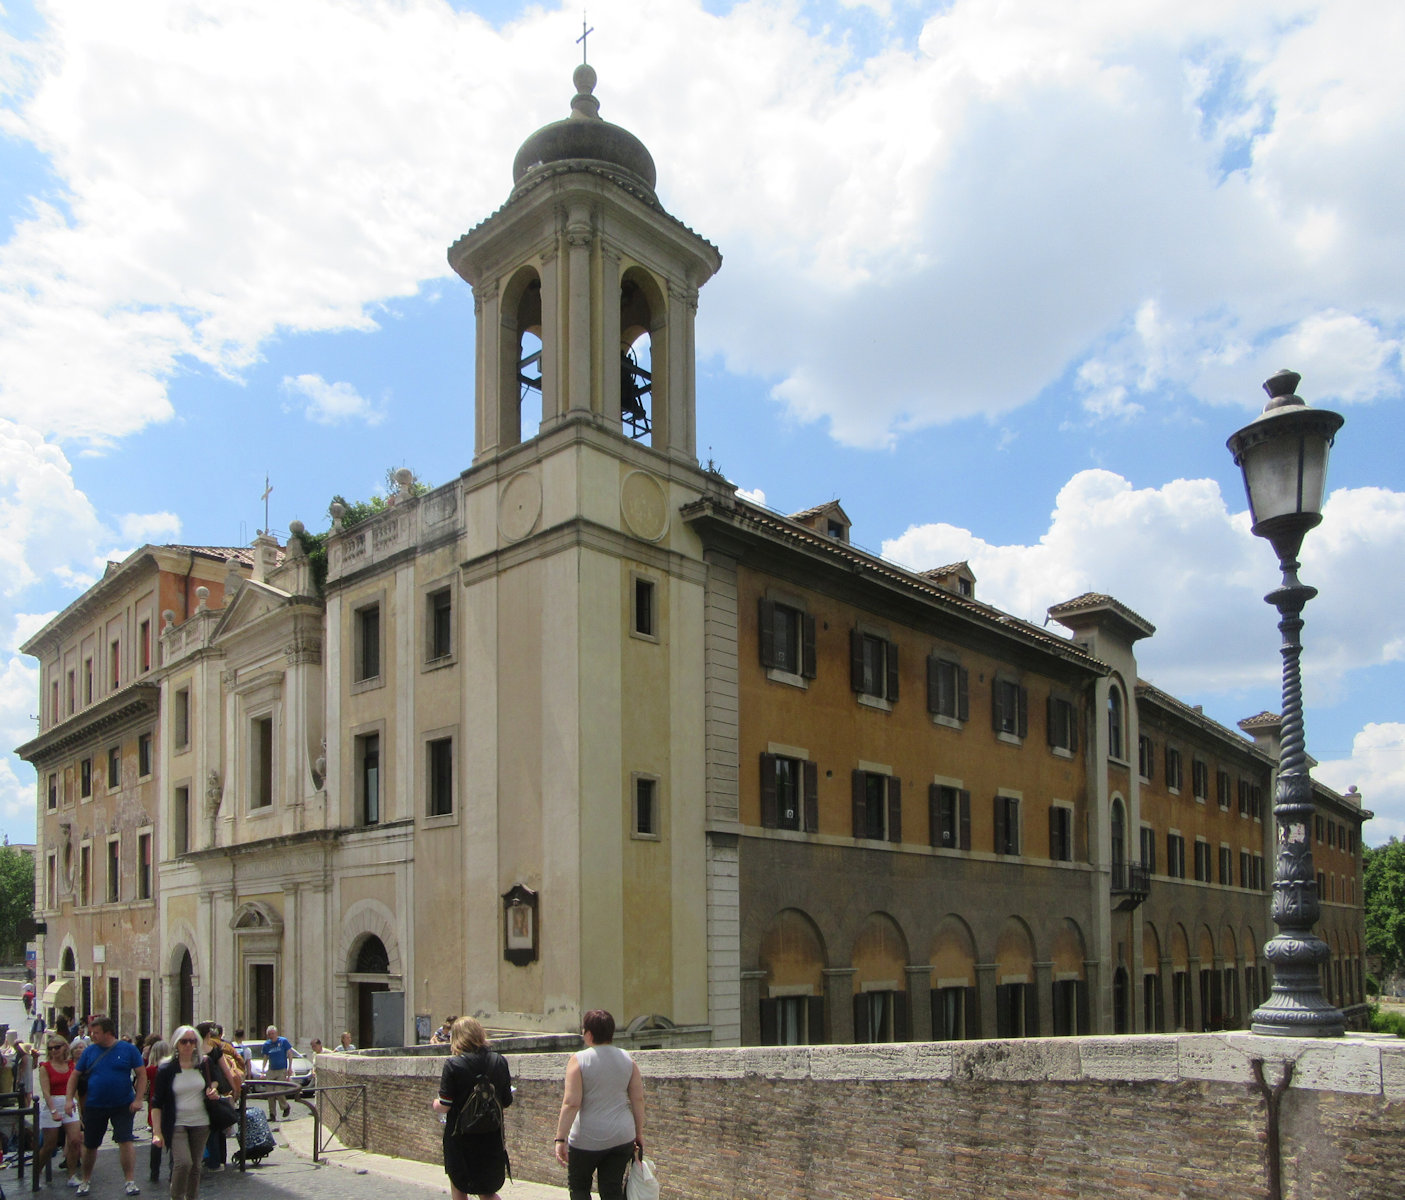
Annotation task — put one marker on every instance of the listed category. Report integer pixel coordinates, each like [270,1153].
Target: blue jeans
[611,1164]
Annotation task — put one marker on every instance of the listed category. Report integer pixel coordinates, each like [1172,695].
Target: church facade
[583,729]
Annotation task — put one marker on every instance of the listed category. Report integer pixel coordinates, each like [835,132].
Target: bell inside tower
[638,320]
[527,321]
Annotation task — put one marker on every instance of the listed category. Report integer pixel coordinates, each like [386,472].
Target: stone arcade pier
[1190,1116]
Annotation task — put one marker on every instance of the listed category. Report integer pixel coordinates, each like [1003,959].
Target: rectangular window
[368,778]
[143,1003]
[1317,830]
[1007,825]
[950,817]
[1175,856]
[1258,872]
[1202,861]
[85,990]
[441,777]
[144,755]
[879,1016]
[85,778]
[1246,869]
[1256,802]
[873,665]
[1149,849]
[85,875]
[144,646]
[1061,833]
[180,720]
[52,881]
[645,614]
[54,703]
[53,790]
[261,762]
[953,1013]
[115,665]
[1200,779]
[1071,1014]
[1146,757]
[87,681]
[792,1020]
[143,866]
[877,806]
[787,639]
[1014,1010]
[789,793]
[72,695]
[180,821]
[1009,708]
[646,800]
[1226,866]
[1223,789]
[1062,724]
[440,619]
[948,689]
[1173,769]
[114,768]
[368,642]
[1243,797]
[114,868]
[114,999]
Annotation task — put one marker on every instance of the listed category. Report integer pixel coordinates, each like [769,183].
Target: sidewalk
[297,1136]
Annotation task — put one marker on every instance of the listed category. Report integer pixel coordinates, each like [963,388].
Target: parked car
[299,1065]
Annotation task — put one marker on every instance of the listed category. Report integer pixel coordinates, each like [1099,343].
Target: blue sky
[1001,278]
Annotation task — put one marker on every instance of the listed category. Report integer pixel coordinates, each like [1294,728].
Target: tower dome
[584,137]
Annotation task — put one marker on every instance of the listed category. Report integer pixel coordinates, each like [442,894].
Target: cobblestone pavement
[287,1174]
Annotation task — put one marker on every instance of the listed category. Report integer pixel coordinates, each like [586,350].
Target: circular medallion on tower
[519,505]
[644,506]
[584,136]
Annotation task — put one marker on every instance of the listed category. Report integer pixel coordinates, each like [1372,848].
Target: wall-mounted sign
[520,931]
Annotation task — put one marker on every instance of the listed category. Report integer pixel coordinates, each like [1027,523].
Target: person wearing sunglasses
[54,1119]
[185,1082]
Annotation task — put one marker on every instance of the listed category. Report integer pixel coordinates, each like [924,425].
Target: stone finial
[202,597]
[168,620]
[338,511]
[404,480]
[584,104]
[295,548]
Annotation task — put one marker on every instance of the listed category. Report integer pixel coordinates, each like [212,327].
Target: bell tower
[585,291]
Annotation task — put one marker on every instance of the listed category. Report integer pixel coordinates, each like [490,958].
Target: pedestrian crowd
[88,1081]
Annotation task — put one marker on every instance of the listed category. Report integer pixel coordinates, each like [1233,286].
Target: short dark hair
[106,1024]
[600,1025]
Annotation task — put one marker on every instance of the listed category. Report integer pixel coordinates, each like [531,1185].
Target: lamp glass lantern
[1283,454]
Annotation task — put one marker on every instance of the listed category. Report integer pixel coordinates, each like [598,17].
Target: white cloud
[1377,769]
[756,495]
[143,528]
[331,403]
[1178,556]
[926,233]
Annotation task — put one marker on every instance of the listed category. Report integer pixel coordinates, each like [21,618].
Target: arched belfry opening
[643,369]
[520,388]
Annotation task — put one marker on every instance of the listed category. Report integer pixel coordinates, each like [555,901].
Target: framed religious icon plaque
[520,932]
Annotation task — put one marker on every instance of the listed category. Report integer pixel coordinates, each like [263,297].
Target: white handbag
[642,1183]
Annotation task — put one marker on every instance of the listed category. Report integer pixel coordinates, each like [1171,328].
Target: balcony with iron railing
[1131,884]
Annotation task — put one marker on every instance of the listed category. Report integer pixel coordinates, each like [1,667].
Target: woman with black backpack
[474,1088]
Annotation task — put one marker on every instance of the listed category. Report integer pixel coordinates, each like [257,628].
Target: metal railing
[322,1135]
[1131,880]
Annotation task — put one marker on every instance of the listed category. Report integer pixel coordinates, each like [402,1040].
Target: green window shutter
[895,809]
[892,663]
[811,773]
[808,668]
[856,660]
[770,807]
[963,694]
[766,628]
[965,804]
[860,824]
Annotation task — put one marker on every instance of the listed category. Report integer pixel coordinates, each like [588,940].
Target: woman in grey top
[601,1126]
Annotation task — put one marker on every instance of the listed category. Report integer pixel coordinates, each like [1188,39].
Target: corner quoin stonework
[1148,1116]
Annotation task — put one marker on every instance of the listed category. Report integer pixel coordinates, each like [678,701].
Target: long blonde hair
[467,1034]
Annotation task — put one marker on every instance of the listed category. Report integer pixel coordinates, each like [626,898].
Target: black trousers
[610,1165]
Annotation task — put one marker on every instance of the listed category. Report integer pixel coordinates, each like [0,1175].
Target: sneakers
[82,1190]
[132,1189]
[74,1181]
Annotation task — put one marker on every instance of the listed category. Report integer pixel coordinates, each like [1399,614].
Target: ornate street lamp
[1283,454]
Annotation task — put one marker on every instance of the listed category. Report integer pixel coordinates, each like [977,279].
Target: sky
[1000,276]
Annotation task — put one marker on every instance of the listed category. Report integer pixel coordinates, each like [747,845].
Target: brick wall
[1154,1116]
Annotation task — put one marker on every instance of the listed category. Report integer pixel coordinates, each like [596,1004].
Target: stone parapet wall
[1149,1116]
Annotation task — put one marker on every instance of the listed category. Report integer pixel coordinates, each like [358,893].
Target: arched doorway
[370,973]
[185,990]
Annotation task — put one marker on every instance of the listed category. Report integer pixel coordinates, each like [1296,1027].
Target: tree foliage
[1384,895]
[16,900]
[356,511]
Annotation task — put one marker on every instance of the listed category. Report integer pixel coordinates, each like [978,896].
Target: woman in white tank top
[601,1126]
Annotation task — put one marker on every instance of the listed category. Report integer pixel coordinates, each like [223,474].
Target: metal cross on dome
[585,33]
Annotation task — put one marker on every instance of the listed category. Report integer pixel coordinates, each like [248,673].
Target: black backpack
[482,1110]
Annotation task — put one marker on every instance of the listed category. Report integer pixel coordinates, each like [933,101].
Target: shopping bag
[642,1183]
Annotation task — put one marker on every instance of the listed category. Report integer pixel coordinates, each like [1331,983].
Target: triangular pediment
[255,603]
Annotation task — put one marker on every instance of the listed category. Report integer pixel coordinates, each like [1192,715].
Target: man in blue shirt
[116,1079]
[275,1053]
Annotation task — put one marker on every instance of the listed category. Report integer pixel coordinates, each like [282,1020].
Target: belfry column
[578,239]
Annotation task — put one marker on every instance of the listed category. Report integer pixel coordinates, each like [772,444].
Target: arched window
[1119,842]
[185,991]
[1114,722]
[643,402]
